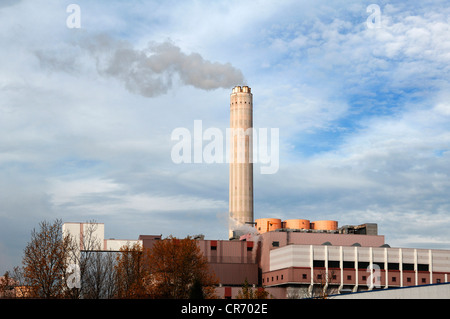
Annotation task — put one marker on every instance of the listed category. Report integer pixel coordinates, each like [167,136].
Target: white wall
[81,231]
[437,291]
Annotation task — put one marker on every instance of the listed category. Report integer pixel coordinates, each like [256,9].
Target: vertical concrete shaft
[241,159]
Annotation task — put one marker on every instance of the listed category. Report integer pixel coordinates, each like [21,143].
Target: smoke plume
[153,70]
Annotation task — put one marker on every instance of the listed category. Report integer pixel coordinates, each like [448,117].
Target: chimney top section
[244,89]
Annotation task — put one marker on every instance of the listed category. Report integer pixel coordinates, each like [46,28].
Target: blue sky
[86,114]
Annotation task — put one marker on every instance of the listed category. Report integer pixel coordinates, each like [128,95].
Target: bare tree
[321,287]
[96,267]
[99,278]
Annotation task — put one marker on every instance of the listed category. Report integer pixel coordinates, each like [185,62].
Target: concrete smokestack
[241,161]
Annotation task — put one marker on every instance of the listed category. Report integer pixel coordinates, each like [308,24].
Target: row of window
[245,102]
[214,247]
[365,265]
[349,277]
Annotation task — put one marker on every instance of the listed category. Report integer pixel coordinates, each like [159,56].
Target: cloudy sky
[86,114]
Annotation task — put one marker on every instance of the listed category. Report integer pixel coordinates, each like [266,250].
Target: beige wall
[241,152]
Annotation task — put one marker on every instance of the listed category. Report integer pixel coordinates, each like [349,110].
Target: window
[394,279]
[408,279]
[438,281]
[333,264]
[422,267]
[304,276]
[363,265]
[424,280]
[349,277]
[319,263]
[381,265]
[349,264]
[275,244]
[281,277]
[393,266]
[364,278]
[319,276]
[408,266]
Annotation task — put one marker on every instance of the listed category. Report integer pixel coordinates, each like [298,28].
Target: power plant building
[298,258]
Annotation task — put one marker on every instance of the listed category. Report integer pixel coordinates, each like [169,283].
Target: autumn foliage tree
[45,261]
[172,269]
[176,267]
[131,272]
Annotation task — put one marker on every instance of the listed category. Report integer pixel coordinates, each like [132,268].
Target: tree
[177,267]
[131,272]
[321,288]
[45,261]
[196,290]
[7,286]
[99,277]
[97,272]
[249,293]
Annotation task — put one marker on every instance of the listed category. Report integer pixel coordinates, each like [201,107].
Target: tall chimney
[241,160]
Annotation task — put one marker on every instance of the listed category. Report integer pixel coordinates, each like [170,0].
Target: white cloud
[97,196]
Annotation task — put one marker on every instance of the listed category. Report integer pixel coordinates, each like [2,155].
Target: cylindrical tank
[296,224]
[324,225]
[267,224]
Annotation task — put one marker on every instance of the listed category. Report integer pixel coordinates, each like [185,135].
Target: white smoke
[153,70]
[241,229]
[247,231]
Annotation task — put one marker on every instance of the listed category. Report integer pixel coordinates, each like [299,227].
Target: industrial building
[304,263]
[91,236]
[301,262]
[296,258]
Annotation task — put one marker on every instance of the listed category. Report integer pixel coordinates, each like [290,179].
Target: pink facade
[232,261]
[282,260]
